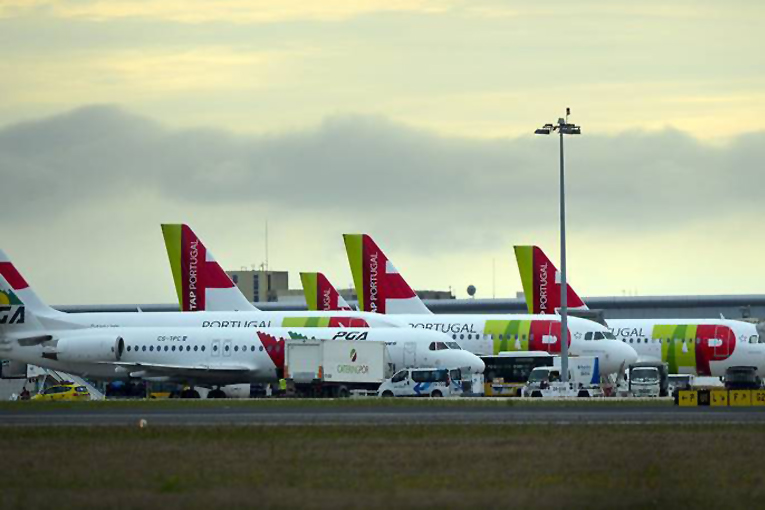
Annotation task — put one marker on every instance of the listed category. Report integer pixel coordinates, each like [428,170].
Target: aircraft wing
[200,371]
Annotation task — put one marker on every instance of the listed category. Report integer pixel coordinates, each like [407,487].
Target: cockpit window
[609,336]
[598,336]
[453,345]
[754,339]
[588,335]
[438,346]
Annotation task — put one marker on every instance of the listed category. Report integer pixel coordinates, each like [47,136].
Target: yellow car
[64,392]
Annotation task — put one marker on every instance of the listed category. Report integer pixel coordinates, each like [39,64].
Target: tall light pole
[563,128]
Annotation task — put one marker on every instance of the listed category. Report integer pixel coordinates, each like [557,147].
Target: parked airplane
[33,333]
[480,334]
[381,288]
[212,319]
[705,347]
[320,294]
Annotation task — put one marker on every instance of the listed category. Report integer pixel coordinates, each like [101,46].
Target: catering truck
[334,368]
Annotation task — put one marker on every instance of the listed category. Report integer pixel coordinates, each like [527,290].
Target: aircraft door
[410,354]
[723,342]
[215,351]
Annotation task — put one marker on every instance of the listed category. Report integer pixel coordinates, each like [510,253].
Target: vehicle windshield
[644,375]
[740,375]
[453,345]
[538,376]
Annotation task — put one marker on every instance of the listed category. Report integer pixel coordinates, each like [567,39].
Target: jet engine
[87,348]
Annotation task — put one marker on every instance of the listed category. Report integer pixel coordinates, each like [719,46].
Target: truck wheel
[190,394]
[342,392]
[387,394]
[436,394]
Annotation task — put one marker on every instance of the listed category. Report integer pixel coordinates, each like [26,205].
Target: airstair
[59,377]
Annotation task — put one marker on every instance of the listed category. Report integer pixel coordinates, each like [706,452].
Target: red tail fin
[200,282]
[541,282]
[320,294]
[379,285]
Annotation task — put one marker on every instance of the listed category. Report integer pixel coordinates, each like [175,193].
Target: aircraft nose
[626,354]
[474,363]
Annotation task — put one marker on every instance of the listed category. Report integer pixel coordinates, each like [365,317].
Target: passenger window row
[670,340]
[167,348]
[469,336]
[196,348]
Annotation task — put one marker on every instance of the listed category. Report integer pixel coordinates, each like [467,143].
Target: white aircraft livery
[479,334]
[381,288]
[33,333]
[705,347]
[232,319]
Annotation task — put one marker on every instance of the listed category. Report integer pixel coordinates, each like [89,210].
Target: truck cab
[649,379]
[541,377]
[421,382]
[742,378]
[583,376]
[679,382]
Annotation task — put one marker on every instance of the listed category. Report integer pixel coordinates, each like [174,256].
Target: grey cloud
[379,172]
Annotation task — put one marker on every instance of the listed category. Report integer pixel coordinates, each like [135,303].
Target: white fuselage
[214,356]
[490,334]
[705,347]
[232,320]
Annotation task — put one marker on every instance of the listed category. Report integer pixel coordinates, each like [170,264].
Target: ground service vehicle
[64,392]
[583,375]
[420,382]
[742,378]
[649,379]
[333,368]
[508,372]
[679,382]
[10,369]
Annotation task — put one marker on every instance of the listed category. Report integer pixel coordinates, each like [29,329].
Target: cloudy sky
[410,120]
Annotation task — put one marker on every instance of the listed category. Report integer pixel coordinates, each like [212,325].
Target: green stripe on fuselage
[678,347]
[508,335]
[305,322]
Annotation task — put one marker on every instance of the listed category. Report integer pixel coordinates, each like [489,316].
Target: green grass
[384,467]
[318,403]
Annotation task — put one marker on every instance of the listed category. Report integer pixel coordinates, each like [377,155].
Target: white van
[422,382]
